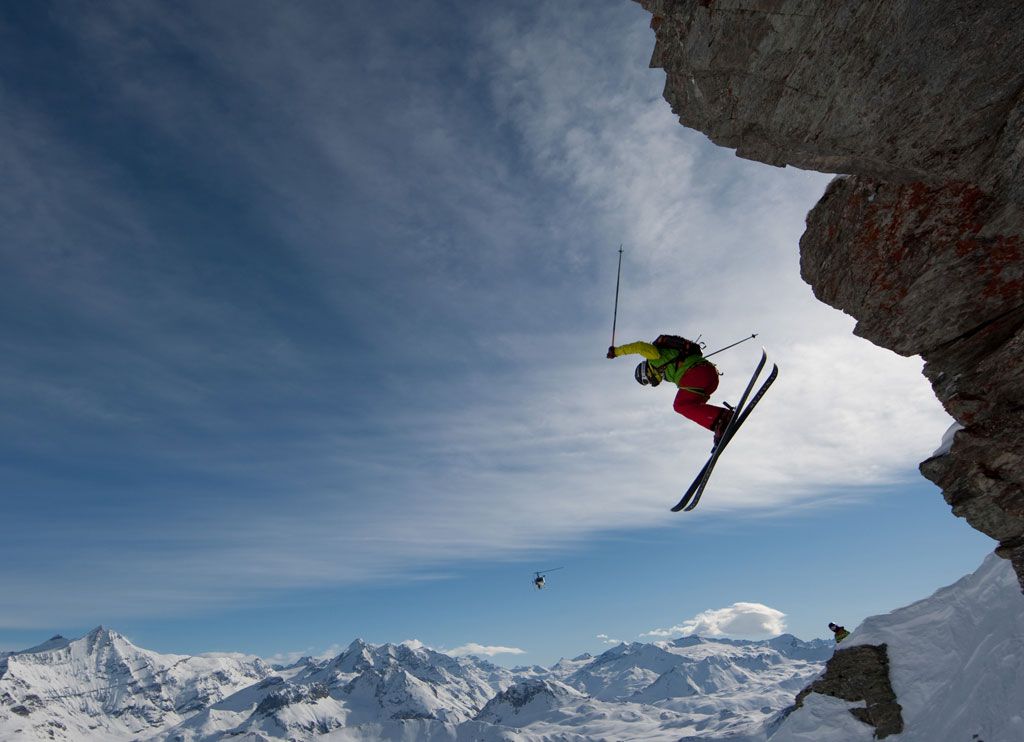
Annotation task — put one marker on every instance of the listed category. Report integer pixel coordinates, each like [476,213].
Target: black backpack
[685,347]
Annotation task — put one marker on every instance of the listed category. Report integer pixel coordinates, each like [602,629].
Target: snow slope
[956,664]
[697,666]
[104,687]
[528,702]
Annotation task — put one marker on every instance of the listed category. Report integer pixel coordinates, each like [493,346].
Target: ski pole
[731,346]
[618,275]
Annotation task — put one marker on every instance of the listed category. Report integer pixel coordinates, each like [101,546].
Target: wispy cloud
[483,650]
[605,639]
[743,620]
[289,658]
[232,655]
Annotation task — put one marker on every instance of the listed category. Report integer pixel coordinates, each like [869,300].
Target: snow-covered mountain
[103,687]
[956,664]
[363,687]
[696,666]
[529,701]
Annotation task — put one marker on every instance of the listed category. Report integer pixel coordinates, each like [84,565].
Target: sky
[306,310]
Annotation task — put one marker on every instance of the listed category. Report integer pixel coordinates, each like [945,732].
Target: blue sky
[305,312]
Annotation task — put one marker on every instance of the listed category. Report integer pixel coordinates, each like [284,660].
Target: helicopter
[538,581]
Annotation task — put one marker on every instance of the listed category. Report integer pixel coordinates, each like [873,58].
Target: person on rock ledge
[840,632]
[682,362]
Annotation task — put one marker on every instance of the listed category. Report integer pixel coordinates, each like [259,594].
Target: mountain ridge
[102,686]
[693,688]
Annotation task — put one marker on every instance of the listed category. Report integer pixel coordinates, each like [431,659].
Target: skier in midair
[682,362]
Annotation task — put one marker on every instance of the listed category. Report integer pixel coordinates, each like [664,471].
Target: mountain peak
[102,632]
[528,700]
[54,642]
[103,637]
[356,645]
[688,641]
[123,689]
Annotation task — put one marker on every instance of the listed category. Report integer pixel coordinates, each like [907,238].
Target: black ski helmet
[645,375]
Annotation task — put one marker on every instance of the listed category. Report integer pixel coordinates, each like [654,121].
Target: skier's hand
[611,351]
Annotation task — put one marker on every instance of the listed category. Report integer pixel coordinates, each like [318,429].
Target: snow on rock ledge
[956,665]
[862,674]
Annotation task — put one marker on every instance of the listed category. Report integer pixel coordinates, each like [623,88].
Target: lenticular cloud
[739,619]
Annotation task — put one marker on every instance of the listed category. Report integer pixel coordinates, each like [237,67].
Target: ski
[730,432]
[693,494]
[706,471]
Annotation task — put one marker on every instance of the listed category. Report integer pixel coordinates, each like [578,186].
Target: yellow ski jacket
[665,361]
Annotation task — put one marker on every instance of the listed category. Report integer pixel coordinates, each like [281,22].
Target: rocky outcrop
[861,674]
[927,272]
[893,89]
[924,246]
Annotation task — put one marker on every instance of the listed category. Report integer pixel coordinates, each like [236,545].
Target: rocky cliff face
[924,246]
[891,89]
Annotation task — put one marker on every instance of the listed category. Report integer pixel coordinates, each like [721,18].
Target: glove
[611,351]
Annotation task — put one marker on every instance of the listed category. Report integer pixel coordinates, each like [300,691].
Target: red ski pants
[695,387]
